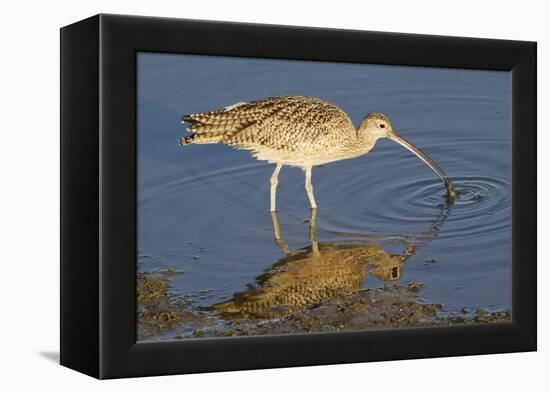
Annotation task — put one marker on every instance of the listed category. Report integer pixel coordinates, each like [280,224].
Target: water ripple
[481,206]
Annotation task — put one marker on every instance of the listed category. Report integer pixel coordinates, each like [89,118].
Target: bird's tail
[201,139]
[203,133]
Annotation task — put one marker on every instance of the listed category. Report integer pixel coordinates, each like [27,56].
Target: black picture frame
[98,195]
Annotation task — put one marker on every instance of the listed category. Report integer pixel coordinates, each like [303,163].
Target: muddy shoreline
[390,306]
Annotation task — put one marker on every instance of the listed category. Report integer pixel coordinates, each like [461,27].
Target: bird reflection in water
[316,274]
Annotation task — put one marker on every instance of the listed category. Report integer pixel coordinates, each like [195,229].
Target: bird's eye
[382,125]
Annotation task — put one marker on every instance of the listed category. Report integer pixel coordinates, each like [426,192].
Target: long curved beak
[394,136]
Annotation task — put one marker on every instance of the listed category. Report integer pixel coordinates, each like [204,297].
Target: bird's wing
[289,123]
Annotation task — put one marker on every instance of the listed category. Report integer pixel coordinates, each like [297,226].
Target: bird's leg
[309,188]
[277,233]
[274,180]
[313,231]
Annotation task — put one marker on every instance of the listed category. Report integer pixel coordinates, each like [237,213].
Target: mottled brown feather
[292,123]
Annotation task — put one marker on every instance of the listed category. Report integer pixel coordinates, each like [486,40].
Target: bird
[296,131]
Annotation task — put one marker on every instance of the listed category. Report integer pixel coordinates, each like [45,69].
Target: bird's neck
[362,144]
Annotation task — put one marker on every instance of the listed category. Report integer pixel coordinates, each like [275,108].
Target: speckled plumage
[291,130]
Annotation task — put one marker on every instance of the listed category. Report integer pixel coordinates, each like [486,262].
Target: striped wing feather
[292,123]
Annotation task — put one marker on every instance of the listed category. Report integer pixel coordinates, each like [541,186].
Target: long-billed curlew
[296,131]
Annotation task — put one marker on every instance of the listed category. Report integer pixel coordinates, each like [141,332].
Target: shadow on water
[319,272]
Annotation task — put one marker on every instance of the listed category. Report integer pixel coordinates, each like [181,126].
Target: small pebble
[414,287]
[481,311]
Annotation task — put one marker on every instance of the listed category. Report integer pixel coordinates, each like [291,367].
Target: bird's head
[377,125]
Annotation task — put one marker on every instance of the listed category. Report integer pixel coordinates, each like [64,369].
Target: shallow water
[203,210]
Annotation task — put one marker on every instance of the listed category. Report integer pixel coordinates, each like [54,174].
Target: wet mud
[156,311]
[390,306]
